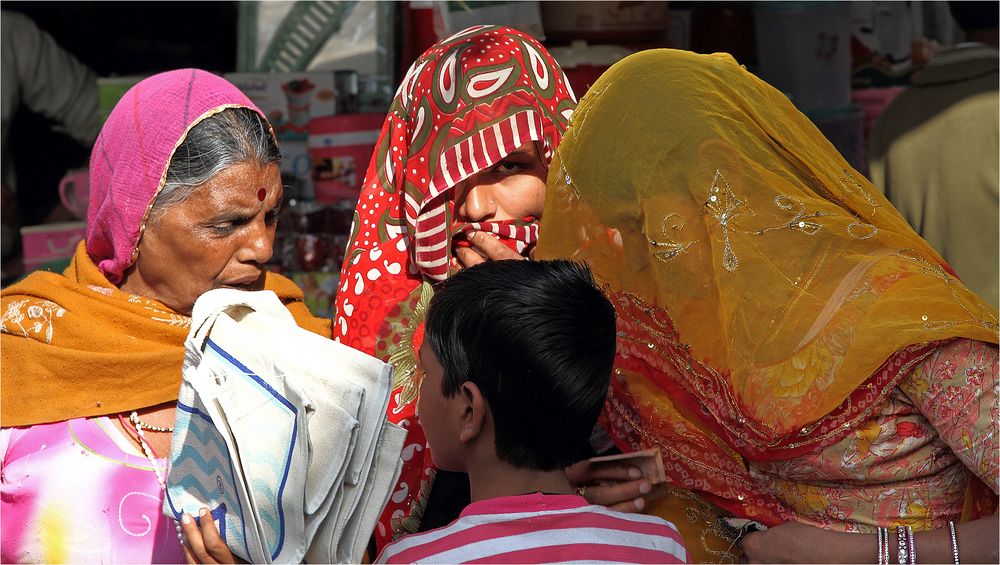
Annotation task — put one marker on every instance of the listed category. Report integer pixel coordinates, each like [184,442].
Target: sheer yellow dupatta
[769,297]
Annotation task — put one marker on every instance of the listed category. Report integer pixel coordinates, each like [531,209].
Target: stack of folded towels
[281,433]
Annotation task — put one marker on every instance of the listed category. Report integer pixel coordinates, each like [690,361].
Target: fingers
[188,555]
[614,471]
[485,247]
[468,257]
[748,545]
[624,497]
[588,473]
[578,474]
[491,247]
[194,546]
[213,541]
[630,507]
[204,544]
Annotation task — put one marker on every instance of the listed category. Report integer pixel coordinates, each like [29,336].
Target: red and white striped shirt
[542,528]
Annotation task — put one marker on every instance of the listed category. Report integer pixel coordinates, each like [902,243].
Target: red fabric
[464,105]
[720,475]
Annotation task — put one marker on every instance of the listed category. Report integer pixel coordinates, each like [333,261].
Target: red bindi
[261,193]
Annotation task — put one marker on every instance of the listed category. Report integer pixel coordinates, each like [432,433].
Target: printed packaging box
[46,243]
[341,148]
[289,100]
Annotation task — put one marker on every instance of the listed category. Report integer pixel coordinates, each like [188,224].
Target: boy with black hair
[517,359]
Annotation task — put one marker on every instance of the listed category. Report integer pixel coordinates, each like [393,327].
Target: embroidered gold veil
[769,297]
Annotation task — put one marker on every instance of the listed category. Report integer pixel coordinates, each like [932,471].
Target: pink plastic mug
[74,191]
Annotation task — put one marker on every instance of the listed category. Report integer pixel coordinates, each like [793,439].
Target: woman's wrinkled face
[219,237]
[512,189]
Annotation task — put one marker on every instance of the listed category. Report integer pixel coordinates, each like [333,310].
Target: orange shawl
[74,345]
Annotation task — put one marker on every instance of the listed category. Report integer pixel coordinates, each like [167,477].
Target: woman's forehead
[526,147]
[241,186]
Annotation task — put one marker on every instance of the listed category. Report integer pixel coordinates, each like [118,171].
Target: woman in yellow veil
[796,352]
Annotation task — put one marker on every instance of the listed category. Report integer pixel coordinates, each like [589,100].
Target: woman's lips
[245,283]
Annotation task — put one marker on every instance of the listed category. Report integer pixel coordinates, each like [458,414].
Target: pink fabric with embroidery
[108,513]
[130,157]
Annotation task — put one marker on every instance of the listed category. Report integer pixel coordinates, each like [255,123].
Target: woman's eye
[508,167]
[229,226]
[272,216]
[223,229]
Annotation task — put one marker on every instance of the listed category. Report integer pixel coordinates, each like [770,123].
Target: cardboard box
[296,162]
[50,242]
[289,100]
[340,148]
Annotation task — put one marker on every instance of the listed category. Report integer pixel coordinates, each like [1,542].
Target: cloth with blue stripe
[281,433]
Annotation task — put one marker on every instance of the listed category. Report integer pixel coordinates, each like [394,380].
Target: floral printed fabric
[935,434]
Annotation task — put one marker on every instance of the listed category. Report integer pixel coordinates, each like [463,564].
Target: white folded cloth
[281,433]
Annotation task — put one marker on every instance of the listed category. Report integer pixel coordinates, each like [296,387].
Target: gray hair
[234,135]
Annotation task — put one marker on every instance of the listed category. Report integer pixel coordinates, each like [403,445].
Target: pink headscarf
[128,166]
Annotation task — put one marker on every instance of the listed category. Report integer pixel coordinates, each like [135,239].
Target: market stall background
[324,72]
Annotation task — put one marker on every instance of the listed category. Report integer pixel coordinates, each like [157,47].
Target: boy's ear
[474,413]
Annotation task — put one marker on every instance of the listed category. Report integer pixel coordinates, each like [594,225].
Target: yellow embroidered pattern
[802,220]
[723,205]
[404,359]
[668,248]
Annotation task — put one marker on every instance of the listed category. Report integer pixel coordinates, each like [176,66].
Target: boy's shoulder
[539,528]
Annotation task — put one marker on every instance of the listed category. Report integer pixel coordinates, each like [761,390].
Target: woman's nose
[478,203]
[258,245]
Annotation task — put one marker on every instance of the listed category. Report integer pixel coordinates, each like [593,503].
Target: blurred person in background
[934,152]
[40,76]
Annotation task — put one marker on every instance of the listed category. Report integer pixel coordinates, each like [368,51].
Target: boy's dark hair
[538,339]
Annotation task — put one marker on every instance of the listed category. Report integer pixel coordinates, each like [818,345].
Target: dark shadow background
[113,39]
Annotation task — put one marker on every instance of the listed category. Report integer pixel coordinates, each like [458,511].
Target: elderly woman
[185,191]
[798,354]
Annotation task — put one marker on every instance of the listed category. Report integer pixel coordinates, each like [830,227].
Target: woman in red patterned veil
[464,150]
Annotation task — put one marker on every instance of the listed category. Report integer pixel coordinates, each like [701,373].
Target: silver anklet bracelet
[913,545]
[883,545]
[901,553]
[954,541]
